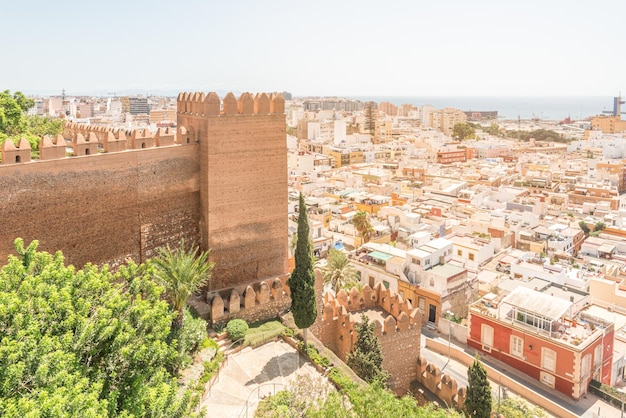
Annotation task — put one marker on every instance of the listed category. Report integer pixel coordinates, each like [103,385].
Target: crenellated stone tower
[243,183]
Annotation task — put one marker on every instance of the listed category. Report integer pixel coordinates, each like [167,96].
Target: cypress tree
[478,400]
[366,359]
[302,279]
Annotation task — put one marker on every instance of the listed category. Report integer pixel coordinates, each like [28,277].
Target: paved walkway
[252,374]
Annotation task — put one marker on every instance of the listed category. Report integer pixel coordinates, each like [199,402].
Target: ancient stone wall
[441,385]
[399,333]
[105,207]
[220,181]
[254,302]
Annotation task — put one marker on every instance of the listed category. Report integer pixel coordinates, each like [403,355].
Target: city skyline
[483,48]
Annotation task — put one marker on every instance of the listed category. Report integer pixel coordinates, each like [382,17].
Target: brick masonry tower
[243,183]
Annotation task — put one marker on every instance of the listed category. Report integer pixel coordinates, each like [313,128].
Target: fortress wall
[105,207]
[399,334]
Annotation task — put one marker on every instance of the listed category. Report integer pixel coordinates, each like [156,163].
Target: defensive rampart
[254,302]
[104,207]
[396,324]
[102,195]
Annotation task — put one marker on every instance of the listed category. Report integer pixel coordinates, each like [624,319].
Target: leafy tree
[518,408]
[493,129]
[463,131]
[363,226]
[84,342]
[15,124]
[599,226]
[338,272]
[11,113]
[366,359]
[302,279]
[584,227]
[364,401]
[182,272]
[478,400]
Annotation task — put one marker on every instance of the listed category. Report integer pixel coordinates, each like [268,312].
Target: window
[585,366]
[427,262]
[487,335]
[416,261]
[386,284]
[471,256]
[597,355]
[421,304]
[459,253]
[548,359]
[517,346]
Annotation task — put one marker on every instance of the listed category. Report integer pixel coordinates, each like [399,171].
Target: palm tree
[182,272]
[363,226]
[338,272]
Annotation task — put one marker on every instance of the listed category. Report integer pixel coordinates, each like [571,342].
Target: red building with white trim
[545,337]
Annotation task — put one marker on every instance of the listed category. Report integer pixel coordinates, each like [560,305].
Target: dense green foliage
[302,279]
[518,408]
[304,399]
[478,400]
[182,272]
[463,131]
[363,226]
[15,124]
[366,358]
[314,355]
[493,129]
[538,134]
[338,273]
[85,343]
[236,329]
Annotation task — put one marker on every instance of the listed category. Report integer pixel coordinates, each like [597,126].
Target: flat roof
[380,256]
[538,303]
[447,270]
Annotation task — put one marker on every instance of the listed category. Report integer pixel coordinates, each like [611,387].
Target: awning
[380,256]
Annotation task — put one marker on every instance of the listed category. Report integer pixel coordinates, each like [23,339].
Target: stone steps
[251,374]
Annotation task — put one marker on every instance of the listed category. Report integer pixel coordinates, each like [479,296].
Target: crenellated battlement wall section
[396,324]
[441,385]
[253,302]
[103,195]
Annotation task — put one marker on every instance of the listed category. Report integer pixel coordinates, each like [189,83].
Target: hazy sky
[393,48]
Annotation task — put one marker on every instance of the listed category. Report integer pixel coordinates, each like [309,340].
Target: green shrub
[314,355]
[209,343]
[236,329]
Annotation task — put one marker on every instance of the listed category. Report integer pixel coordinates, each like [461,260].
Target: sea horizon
[512,107]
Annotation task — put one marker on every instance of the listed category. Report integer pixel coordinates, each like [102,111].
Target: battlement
[396,324]
[90,140]
[210,104]
[441,385]
[256,301]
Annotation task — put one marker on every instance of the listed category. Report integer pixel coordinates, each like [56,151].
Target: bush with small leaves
[236,329]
